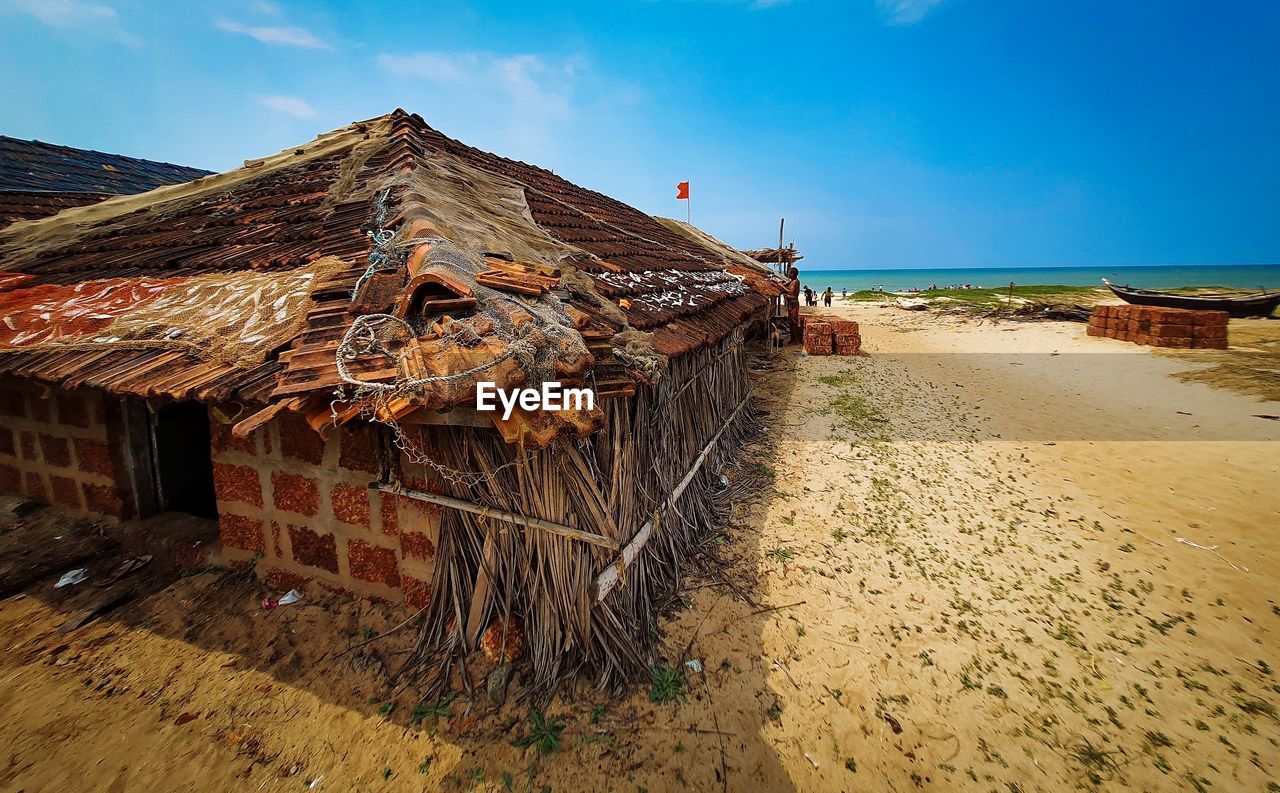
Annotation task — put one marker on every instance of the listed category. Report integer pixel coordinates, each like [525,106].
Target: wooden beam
[499,514]
[611,576]
[461,416]
[245,428]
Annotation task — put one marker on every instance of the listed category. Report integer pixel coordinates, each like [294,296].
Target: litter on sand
[72,577]
[694,665]
[292,596]
[1213,549]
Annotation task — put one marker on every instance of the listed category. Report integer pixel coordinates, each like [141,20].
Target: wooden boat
[1258,304]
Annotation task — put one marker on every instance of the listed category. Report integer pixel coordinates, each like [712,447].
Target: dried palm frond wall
[612,483]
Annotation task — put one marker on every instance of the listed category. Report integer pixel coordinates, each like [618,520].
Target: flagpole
[688,207]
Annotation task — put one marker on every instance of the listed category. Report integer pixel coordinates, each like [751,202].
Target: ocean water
[1157,277]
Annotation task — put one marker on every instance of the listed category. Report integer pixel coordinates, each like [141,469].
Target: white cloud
[265,7]
[906,12]
[431,66]
[71,15]
[530,91]
[288,105]
[285,36]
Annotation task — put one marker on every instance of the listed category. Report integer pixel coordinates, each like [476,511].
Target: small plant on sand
[436,712]
[847,377]
[855,412]
[760,469]
[1158,739]
[544,733]
[1256,707]
[1099,764]
[780,553]
[667,686]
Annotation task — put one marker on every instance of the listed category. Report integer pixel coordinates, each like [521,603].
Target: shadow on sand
[222,651]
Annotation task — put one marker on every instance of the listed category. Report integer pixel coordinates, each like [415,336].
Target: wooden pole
[781,267]
[499,514]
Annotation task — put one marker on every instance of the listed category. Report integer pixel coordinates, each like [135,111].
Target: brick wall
[64,447]
[304,504]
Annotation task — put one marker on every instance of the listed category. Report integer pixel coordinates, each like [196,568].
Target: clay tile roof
[33,166]
[241,285]
[41,179]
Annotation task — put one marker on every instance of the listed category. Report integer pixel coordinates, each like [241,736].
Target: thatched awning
[775,255]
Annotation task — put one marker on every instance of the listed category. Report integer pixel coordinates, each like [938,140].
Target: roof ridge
[407,126]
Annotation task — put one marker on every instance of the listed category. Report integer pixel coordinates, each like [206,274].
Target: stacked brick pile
[819,337]
[825,335]
[1161,327]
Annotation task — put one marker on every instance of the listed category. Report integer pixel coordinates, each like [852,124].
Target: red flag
[682,191]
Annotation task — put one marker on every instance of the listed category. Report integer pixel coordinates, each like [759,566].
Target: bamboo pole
[500,514]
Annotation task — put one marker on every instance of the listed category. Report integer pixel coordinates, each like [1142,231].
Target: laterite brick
[237,483]
[298,441]
[374,564]
[56,451]
[312,549]
[238,531]
[293,493]
[350,504]
[93,457]
[65,492]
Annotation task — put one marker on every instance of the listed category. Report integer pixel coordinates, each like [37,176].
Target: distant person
[826,297]
[844,293]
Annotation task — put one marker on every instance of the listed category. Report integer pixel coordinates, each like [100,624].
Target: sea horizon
[1150,276]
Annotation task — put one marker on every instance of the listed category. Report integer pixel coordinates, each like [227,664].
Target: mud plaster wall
[64,447]
[303,503]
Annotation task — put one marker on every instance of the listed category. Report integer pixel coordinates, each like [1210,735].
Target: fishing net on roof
[523,340]
[440,359]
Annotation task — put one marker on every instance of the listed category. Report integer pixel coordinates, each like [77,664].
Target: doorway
[183,465]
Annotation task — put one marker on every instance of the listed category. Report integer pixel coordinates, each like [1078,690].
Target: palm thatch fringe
[612,483]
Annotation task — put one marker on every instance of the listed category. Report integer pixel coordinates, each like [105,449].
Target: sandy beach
[979,557]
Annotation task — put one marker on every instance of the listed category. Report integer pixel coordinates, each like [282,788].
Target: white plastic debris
[292,596]
[694,664]
[72,577]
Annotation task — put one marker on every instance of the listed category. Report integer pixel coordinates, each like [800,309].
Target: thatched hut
[292,348]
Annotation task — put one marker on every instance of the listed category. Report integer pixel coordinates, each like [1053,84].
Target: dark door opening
[184,467]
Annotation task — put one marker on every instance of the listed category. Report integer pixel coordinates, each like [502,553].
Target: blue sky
[889,133]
